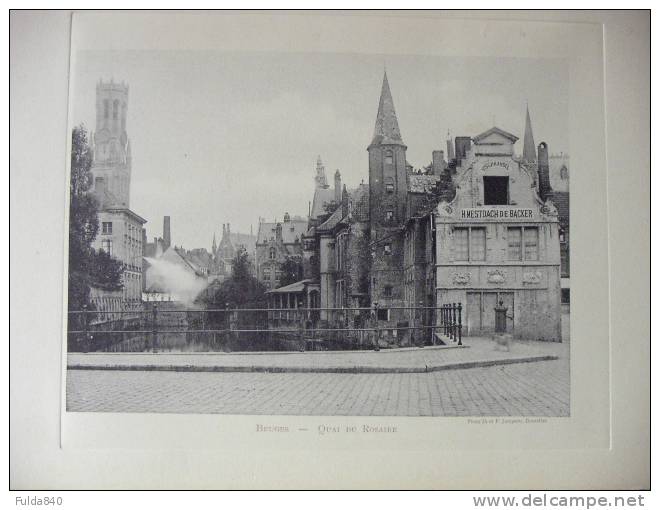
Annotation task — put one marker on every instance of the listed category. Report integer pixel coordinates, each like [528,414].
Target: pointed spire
[529,147]
[386,130]
[214,247]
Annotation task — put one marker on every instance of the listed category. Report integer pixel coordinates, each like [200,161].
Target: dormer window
[496,190]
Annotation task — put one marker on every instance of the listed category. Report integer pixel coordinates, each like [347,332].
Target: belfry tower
[111,167]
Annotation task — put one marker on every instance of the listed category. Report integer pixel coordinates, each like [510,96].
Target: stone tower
[319,178]
[388,188]
[111,167]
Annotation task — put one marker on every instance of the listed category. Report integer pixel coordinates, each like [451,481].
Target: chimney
[438,162]
[463,145]
[450,148]
[278,232]
[228,228]
[166,232]
[337,187]
[544,171]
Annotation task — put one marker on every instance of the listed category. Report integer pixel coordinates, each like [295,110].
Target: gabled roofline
[498,131]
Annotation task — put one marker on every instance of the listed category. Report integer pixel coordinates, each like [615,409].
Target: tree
[86,266]
[240,290]
[291,271]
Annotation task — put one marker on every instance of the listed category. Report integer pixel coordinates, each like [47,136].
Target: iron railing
[162,326]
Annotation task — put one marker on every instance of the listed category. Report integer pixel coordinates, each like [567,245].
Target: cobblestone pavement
[525,389]
[476,350]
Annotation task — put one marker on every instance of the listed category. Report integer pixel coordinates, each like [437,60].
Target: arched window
[388,157]
[115,109]
[106,108]
[563,173]
[123,116]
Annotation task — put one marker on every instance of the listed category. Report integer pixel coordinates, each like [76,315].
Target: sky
[231,137]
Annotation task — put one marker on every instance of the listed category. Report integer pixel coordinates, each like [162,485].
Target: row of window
[470,243]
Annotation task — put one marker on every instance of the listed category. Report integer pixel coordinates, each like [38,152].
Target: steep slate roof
[386,130]
[322,196]
[246,240]
[561,201]
[291,230]
[360,202]
[332,221]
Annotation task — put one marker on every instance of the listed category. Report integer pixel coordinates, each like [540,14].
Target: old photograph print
[318,234]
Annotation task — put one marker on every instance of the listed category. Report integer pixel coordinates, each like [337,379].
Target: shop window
[106,227]
[496,190]
[470,243]
[514,237]
[477,244]
[531,238]
[523,243]
[461,243]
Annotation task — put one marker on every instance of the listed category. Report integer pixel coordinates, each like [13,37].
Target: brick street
[524,389]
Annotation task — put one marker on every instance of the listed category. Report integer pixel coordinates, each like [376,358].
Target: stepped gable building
[120,233]
[277,241]
[498,240]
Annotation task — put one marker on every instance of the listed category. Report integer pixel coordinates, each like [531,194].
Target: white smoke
[173,279]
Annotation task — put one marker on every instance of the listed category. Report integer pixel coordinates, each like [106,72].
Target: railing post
[453,321]
[154,327]
[302,330]
[85,342]
[460,324]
